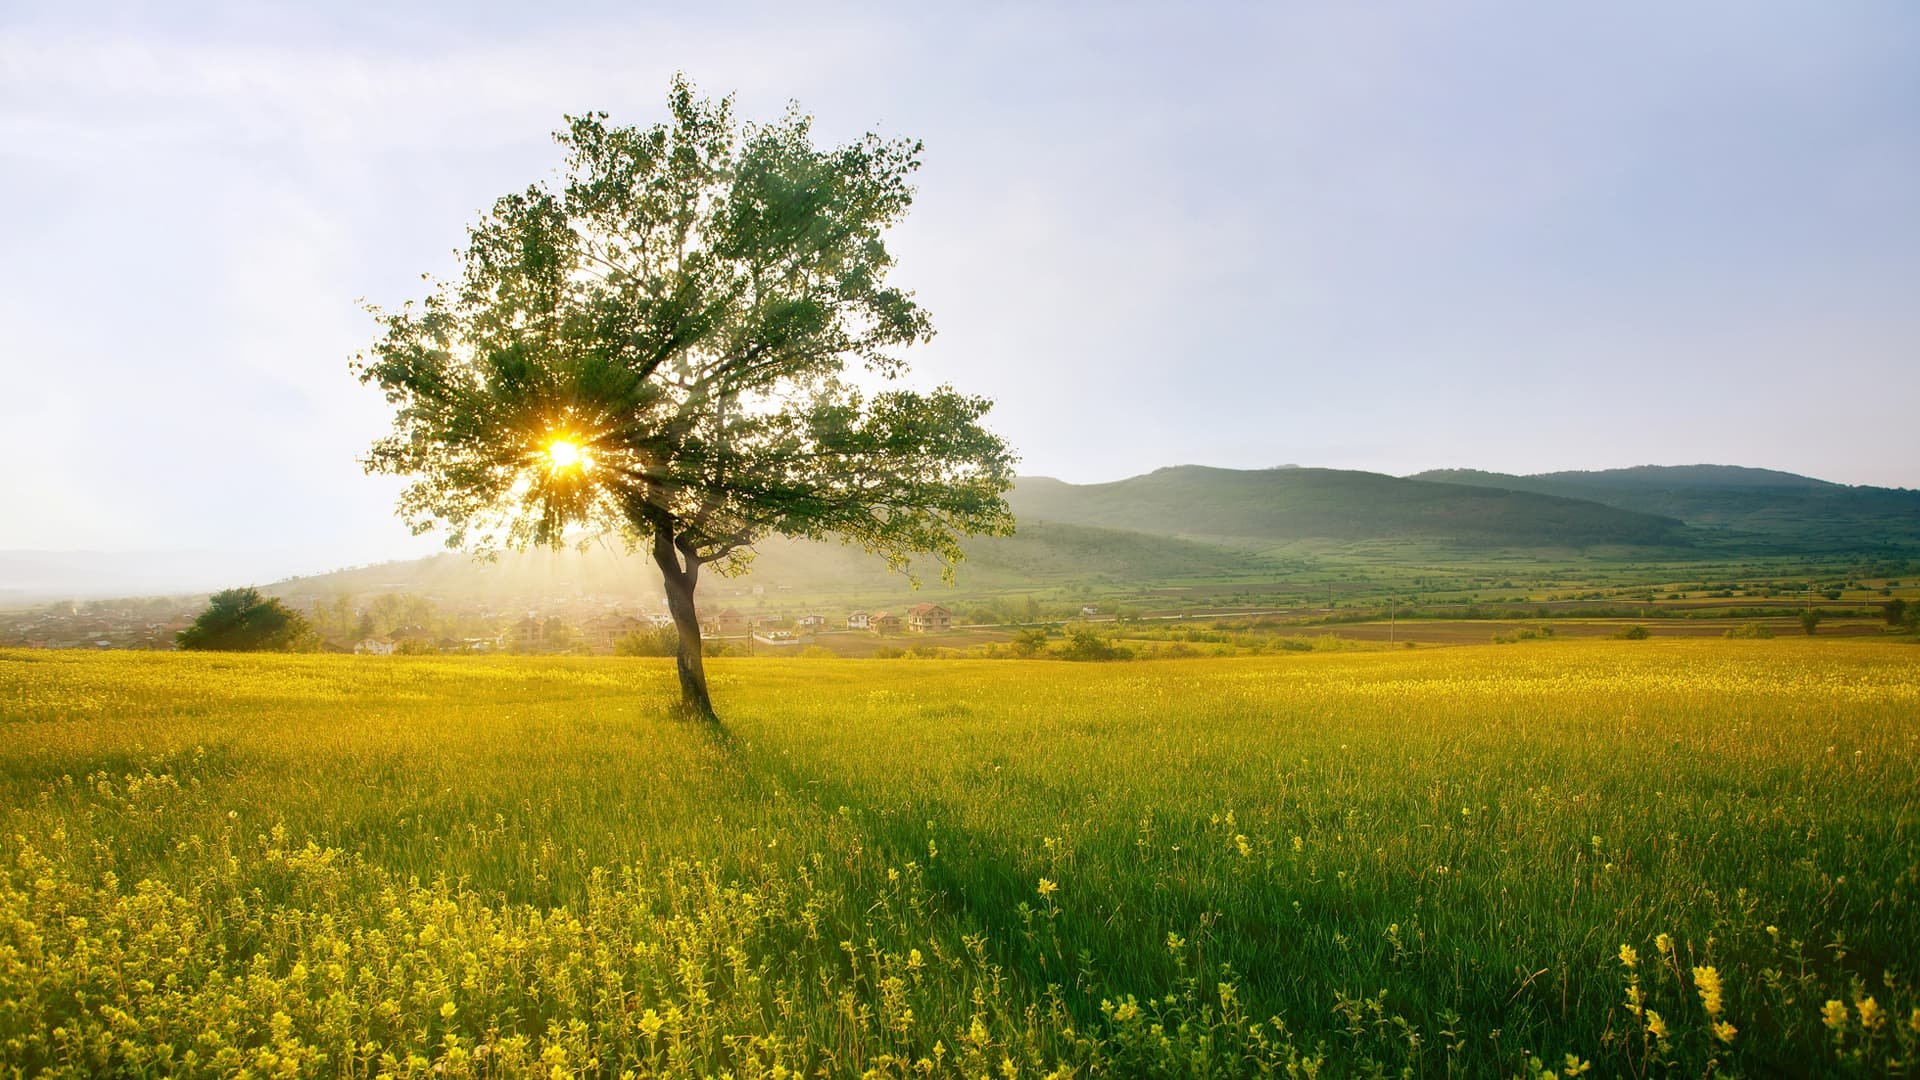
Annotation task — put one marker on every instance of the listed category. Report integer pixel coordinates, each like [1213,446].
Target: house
[929,619]
[523,635]
[1089,609]
[374,647]
[602,631]
[810,624]
[726,622]
[883,622]
[857,620]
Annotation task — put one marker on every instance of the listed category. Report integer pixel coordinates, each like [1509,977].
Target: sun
[564,454]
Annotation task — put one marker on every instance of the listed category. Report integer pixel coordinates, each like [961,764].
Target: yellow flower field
[1612,857]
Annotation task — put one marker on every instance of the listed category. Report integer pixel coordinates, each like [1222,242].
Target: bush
[1810,621]
[659,641]
[888,652]
[1028,642]
[1894,611]
[1757,630]
[1634,633]
[1087,645]
[241,620]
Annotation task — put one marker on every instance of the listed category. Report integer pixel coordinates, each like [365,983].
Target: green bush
[659,641]
[1634,633]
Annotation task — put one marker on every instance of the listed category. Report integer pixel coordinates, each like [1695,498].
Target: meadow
[1627,858]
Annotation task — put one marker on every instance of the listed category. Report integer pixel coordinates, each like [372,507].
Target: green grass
[1358,862]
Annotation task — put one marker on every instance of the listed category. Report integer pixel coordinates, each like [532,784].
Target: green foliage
[242,620]
[1750,630]
[1086,644]
[682,308]
[1029,642]
[1810,621]
[1895,611]
[1634,633]
[657,641]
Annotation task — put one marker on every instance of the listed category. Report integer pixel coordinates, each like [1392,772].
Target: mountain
[1041,554]
[1278,505]
[1762,507]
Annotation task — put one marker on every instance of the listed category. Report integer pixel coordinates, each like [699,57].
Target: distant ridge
[1779,510]
[1284,504]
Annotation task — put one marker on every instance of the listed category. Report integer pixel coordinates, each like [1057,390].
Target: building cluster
[136,624]
[564,626]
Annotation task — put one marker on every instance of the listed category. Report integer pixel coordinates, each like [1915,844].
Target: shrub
[1894,611]
[1810,621]
[1087,645]
[1634,633]
[658,641]
[241,620]
[1756,630]
[1029,642]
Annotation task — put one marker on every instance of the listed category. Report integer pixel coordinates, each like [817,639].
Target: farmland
[1671,856]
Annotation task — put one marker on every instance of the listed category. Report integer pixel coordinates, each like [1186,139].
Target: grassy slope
[1283,504]
[1776,509]
[524,854]
[1041,554]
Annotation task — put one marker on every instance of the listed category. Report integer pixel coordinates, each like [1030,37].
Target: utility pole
[1393,614]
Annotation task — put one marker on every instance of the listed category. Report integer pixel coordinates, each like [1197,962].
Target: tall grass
[1330,863]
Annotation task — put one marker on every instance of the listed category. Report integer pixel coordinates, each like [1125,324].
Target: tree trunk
[680,582]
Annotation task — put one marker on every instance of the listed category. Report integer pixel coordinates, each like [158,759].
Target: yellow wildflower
[1871,1015]
[1834,1014]
[1629,956]
[1047,887]
[1664,944]
[1656,1026]
[1707,981]
[1724,1031]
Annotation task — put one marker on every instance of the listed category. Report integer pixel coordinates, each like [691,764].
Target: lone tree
[658,346]
[241,620]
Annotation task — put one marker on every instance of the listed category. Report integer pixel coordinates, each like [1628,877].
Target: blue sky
[1516,236]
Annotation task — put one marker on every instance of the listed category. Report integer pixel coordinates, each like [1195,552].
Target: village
[417,625]
[603,634]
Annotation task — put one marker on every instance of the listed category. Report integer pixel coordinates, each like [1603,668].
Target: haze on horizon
[1508,237]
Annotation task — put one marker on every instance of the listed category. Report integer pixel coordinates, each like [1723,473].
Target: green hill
[1269,505]
[1041,554]
[1762,507]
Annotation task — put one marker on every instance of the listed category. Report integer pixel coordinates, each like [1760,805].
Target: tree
[241,620]
[659,347]
[1810,621]
[1895,611]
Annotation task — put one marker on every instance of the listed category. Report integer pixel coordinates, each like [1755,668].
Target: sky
[1514,236]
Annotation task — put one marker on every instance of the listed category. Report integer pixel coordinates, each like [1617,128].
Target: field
[1674,856]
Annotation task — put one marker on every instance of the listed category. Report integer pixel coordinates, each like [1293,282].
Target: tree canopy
[242,620]
[660,345]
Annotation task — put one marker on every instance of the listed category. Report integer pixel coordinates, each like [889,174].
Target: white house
[857,621]
[375,647]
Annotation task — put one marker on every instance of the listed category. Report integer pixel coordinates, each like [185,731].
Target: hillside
[1043,553]
[1270,505]
[1763,507]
